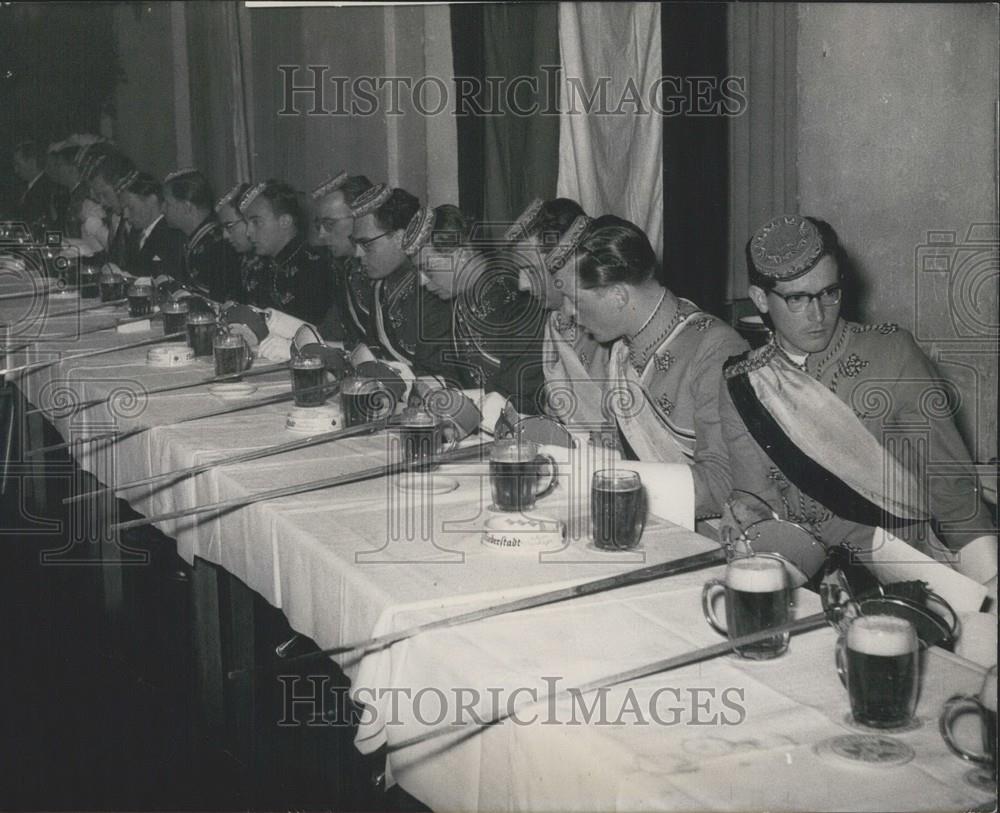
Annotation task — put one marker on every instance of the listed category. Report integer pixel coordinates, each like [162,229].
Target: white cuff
[281,324]
[669,489]
[491,408]
[978,559]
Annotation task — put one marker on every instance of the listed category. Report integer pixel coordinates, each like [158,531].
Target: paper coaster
[235,390]
[435,484]
[872,750]
[914,725]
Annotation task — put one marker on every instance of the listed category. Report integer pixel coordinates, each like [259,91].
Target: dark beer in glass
[515,474]
[201,333]
[112,286]
[232,356]
[175,316]
[140,300]
[308,380]
[758,597]
[364,400]
[617,509]
[882,670]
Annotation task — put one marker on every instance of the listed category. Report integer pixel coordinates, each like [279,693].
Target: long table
[361,560]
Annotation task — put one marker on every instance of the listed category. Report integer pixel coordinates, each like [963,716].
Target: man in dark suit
[35,205]
[159,247]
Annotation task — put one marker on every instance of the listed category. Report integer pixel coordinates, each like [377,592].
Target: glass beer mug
[758,596]
[617,509]
[308,380]
[201,333]
[175,316]
[140,300]
[232,354]
[985,706]
[365,400]
[517,476]
[878,661]
[421,436]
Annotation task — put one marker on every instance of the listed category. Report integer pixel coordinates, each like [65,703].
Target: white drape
[611,160]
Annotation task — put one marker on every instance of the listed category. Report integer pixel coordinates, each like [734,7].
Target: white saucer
[235,390]
[513,532]
[434,484]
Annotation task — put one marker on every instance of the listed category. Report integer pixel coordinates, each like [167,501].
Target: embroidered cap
[229,197]
[370,200]
[786,247]
[418,231]
[126,181]
[329,185]
[179,173]
[521,227]
[250,196]
[567,245]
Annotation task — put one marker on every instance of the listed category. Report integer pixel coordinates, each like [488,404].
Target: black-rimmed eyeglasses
[827,298]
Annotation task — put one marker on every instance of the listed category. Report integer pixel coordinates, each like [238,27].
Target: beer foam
[756,574]
[988,695]
[514,453]
[884,635]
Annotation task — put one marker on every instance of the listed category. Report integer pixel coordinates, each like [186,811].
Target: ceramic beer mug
[878,660]
[758,596]
[518,476]
[985,706]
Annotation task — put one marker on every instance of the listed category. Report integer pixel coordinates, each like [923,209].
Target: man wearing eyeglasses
[333,228]
[407,323]
[839,426]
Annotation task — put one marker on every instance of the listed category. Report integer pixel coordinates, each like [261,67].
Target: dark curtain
[696,161]
[504,161]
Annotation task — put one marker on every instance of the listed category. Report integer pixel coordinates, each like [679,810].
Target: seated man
[105,171]
[665,365]
[35,204]
[211,267]
[347,319]
[294,276]
[407,324]
[832,422]
[572,359]
[234,227]
[159,248]
[496,329]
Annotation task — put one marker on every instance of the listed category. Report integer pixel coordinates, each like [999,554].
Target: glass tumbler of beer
[758,596]
[878,661]
[617,509]
[232,354]
[112,286]
[517,474]
[985,706]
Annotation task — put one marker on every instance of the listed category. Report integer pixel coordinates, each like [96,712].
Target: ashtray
[514,532]
[312,420]
[169,355]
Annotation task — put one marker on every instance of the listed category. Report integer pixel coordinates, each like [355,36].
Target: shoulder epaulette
[749,361]
[885,328]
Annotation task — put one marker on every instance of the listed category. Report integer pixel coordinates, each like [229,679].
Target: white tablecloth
[348,563]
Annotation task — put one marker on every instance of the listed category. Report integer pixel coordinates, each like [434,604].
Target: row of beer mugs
[877,658]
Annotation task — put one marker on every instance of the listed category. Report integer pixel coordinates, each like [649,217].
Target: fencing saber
[686,564]
[705,653]
[244,457]
[218,379]
[42,292]
[37,365]
[215,413]
[385,470]
[94,307]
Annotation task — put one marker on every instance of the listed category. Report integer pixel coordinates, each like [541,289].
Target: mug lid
[201,318]
[307,362]
[173,306]
[140,289]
